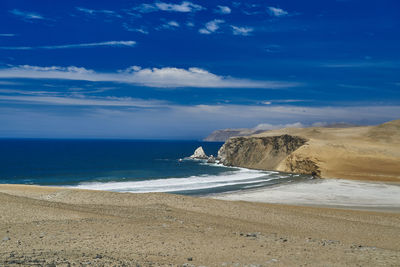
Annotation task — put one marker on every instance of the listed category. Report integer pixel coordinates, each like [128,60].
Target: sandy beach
[51,226]
[333,193]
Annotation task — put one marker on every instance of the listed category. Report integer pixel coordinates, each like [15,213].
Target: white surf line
[325,192]
[242,176]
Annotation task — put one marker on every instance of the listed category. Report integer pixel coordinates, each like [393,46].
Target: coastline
[61,226]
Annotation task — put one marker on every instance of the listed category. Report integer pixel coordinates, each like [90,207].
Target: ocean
[136,166]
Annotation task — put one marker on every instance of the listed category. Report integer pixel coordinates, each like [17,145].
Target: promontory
[362,153]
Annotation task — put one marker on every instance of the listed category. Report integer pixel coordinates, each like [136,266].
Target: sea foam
[240,176]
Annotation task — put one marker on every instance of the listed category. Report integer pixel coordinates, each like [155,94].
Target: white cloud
[223,10]
[26,92]
[244,31]
[84,101]
[141,29]
[277,12]
[7,34]
[98,11]
[269,102]
[170,25]
[104,44]
[184,7]
[167,77]
[211,26]
[173,24]
[29,16]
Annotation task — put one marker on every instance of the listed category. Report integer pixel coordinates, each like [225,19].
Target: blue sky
[181,69]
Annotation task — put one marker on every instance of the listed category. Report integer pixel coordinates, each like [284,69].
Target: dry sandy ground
[360,153]
[42,226]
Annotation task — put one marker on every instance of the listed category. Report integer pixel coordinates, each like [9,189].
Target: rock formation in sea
[199,154]
[366,153]
[211,159]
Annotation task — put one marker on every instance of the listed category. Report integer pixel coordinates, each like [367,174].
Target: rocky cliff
[267,153]
[363,153]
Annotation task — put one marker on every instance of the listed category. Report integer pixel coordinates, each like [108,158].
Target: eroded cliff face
[267,153]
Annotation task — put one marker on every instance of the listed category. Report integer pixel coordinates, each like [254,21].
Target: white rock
[199,154]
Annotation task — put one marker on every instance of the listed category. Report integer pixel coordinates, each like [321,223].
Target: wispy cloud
[84,101]
[223,10]
[7,34]
[277,12]
[281,101]
[140,29]
[211,26]
[167,77]
[26,15]
[8,83]
[98,11]
[184,7]
[67,46]
[251,9]
[171,25]
[362,64]
[26,92]
[272,48]
[244,31]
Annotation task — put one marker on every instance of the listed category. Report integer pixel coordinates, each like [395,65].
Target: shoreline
[343,193]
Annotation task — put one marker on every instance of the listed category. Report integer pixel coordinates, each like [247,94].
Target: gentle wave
[240,176]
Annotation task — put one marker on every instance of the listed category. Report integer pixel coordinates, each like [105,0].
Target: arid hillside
[364,153]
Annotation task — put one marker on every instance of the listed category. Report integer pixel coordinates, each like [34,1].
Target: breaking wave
[237,179]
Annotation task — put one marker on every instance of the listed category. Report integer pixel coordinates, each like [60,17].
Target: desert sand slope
[56,226]
[364,153]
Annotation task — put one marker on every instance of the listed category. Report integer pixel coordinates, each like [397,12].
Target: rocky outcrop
[299,164]
[267,153]
[211,159]
[199,154]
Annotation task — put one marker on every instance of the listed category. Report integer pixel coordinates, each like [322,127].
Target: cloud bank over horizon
[167,77]
[177,121]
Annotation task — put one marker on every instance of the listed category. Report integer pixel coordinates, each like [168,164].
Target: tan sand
[42,226]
